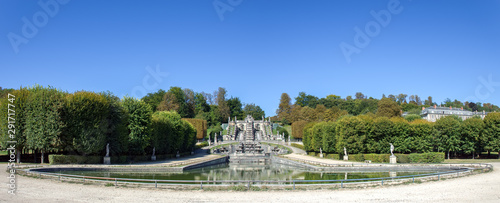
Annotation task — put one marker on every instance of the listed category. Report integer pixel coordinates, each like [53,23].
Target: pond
[251,171]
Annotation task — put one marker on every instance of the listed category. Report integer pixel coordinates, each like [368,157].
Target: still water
[247,172]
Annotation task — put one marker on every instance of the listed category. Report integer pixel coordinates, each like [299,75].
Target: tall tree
[388,108]
[235,108]
[201,104]
[223,107]
[43,119]
[254,110]
[448,131]
[154,99]
[471,130]
[85,116]
[284,108]
[491,139]
[175,99]
[19,99]
[359,95]
[306,100]
[138,124]
[401,98]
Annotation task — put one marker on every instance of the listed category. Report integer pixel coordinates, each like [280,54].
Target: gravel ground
[476,188]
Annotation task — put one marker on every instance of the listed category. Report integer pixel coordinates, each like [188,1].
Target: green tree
[254,110]
[43,119]
[19,101]
[471,130]
[378,138]
[491,137]
[154,99]
[351,133]
[412,117]
[116,131]
[138,124]
[306,100]
[285,108]
[329,137]
[201,104]
[421,134]
[235,108]
[448,133]
[85,121]
[175,99]
[223,107]
[401,136]
[388,108]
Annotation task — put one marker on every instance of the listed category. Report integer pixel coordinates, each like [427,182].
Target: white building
[434,113]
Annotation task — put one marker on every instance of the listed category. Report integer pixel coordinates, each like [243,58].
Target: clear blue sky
[258,50]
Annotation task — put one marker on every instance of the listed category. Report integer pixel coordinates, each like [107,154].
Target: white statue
[153,151]
[392,149]
[320,151]
[107,149]
[345,151]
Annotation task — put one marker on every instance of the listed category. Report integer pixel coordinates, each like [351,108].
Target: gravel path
[476,188]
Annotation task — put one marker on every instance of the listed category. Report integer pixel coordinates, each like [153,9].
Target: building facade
[434,113]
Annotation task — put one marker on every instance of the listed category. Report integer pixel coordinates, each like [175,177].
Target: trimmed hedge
[74,159]
[200,125]
[379,158]
[430,157]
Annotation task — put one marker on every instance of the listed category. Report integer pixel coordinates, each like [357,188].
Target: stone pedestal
[192,153]
[346,158]
[177,155]
[321,155]
[392,159]
[107,160]
[153,158]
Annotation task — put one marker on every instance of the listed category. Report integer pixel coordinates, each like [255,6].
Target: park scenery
[249,101]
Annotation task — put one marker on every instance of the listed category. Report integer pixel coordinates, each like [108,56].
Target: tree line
[215,108]
[371,134]
[311,108]
[81,123]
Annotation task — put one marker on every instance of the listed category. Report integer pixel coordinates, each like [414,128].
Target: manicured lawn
[3,152]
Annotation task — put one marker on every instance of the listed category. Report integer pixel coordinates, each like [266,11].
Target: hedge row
[75,159]
[430,157]
[200,126]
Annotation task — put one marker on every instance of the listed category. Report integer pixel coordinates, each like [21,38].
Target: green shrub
[356,157]
[430,157]
[378,158]
[333,156]
[402,158]
[74,159]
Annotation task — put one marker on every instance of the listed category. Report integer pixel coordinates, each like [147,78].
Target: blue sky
[256,49]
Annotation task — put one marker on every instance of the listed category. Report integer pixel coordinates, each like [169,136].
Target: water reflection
[251,171]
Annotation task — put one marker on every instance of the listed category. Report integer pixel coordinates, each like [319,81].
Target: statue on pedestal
[107,149]
[345,151]
[392,149]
